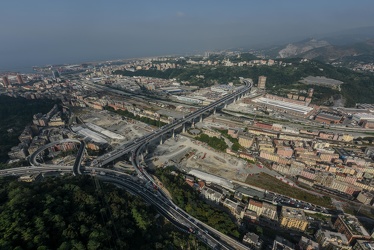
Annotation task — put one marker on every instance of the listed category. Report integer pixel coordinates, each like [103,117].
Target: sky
[45,32]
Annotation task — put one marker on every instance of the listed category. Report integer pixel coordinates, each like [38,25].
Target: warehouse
[360,117]
[283,106]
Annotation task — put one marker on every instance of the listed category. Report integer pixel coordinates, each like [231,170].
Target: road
[33,170]
[182,220]
[79,158]
[33,157]
[169,128]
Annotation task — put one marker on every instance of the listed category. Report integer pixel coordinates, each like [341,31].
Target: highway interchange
[144,185]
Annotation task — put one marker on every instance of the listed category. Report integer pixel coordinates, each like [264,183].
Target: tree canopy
[70,213]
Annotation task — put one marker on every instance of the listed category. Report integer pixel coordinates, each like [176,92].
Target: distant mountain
[324,51]
[348,36]
[362,51]
[295,49]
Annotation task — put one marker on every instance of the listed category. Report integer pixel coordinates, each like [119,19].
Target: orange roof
[255,203]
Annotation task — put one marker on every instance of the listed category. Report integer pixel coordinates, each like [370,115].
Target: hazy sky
[39,32]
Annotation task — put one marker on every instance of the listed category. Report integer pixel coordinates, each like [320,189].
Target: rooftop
[333,236]
[352,223]
[321,80]
[284,105]
[255,203]
[329,116]
[366,245]
[294,213]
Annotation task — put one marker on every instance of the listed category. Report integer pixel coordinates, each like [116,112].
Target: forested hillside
[73,213]
[15,114]
[357,87]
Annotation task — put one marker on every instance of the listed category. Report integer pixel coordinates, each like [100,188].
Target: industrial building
[188,99]
[283,106]
[328,117]
[360,117]
[212,178]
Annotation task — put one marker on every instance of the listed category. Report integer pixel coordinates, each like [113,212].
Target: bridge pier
[142,157]
[201,118]
[193,124]
[161,142]
[184,128]
[214,111]
[225,106]
[173,135]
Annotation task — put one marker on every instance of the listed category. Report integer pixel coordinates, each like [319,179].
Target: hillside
[15,114]
[358,87]
[295,49]
[360,52]
[81,213]
[348,53]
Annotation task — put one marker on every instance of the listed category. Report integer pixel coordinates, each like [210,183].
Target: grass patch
[270,183]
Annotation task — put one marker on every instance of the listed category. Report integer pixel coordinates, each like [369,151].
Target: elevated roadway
[34,170]
[79,158]
[135,144]
[33,158]
[182,220]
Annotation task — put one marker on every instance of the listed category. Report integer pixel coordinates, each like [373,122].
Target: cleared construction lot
[188,154]
[114,128]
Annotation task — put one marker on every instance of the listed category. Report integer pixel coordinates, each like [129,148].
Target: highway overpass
[176,215]
[170,128]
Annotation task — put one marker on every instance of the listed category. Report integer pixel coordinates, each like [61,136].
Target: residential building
[245,140]
[252,240]
[247,156]
[255,206]
[269,215]
[285,152]
[211,194]
[269,156]
[231,205]
[305,181]
[308,244]
[366,197]
[233,133]
[261,82]
[19,79]
[345,187]
[331,240]
[269,211]
[6,82]
[250,215]
[30,178]
[282,244]
[364,245]
[293,218]
[351,228]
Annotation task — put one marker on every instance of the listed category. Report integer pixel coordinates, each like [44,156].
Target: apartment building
[351,228]
[293,218]
[331,240]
